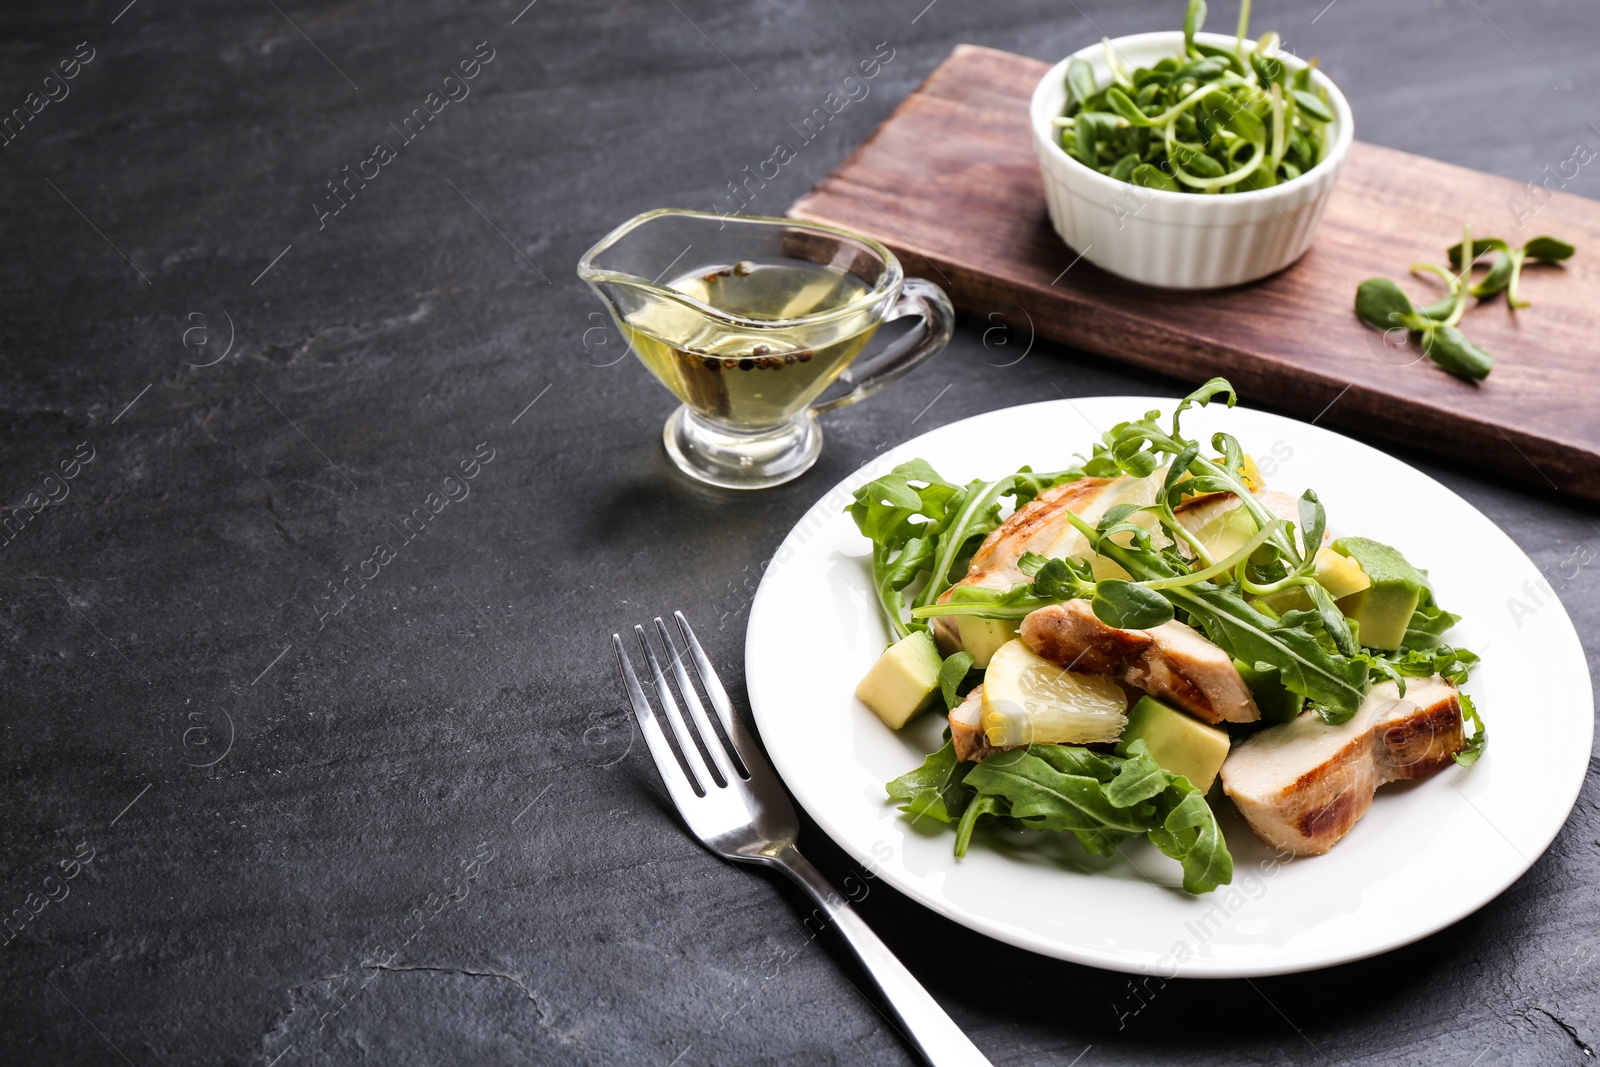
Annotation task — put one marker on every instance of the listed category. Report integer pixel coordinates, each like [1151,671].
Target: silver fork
[740,812]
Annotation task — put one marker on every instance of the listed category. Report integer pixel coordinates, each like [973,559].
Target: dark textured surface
[455,731]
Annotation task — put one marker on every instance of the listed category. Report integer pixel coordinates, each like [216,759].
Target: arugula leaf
[1333,621]
[892,572]
[1480,734]
[951,674]
[1055,581]
[1189,834]
[1045,796]
[1016,603]
[1335,682]
[936,789]
[902,513]
[1451,664]
[1101,800]
[899,571]
[974,517]
[888,509]
[1428,623]
[1139,778]
[922,525]
[1200,398]
[982,804]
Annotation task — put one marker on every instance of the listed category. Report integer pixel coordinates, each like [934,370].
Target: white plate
[1425,855]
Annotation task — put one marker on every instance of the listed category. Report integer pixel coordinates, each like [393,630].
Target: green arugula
[936,789]
[1101,800]
[952,673]
[922,526]
[902,513]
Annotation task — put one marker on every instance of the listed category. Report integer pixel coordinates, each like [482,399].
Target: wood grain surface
[950,182]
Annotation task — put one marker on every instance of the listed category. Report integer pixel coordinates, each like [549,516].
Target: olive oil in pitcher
[754,374]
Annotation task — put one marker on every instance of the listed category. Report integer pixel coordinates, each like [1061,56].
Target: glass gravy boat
[748,321]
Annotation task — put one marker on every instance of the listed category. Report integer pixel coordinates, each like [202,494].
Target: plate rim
[1115,959]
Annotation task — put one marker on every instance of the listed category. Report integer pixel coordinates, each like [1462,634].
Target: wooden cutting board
[950,182]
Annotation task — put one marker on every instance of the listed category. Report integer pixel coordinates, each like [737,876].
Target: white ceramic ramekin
[1179,240]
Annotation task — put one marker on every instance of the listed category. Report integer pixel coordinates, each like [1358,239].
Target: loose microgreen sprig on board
[1505,273]
[1383,305]
[1213,120]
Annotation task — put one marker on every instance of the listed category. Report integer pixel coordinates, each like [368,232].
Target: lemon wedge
[1028,699]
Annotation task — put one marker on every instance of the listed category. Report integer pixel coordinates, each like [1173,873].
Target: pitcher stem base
[760,460]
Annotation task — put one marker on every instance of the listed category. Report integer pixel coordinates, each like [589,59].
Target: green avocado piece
[903,681]
[1177,742]
[1383,610]
[1227,533]
[1277,704]
[983,637]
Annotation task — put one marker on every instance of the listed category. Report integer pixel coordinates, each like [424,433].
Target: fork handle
[941,1042]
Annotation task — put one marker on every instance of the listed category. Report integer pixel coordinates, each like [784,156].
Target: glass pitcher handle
[927,302]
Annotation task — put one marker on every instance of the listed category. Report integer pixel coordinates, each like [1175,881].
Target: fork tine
[691,755]
[672,775]
[743,743]
[697,710]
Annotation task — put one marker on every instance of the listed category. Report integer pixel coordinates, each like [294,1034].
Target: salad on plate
[1123,645]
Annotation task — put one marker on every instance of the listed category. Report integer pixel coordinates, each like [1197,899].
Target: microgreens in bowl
[1211,120]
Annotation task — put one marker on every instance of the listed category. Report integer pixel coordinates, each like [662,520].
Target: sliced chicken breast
[1172,662]
[1304,784]
[1042,526]
[1073,638]
[966,727]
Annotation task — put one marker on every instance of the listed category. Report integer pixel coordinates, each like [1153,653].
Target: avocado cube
[1177,742]
[1383,610]
[1381,614]
[1227,533]
[1294,598]
[982,637]
[1276,702]
[903,681]
[1340,575]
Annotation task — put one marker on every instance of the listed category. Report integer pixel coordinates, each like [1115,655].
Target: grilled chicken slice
[1185,669]
[1073,638]
[1304,784]
[1042,526]
[1172,661]
[966,727]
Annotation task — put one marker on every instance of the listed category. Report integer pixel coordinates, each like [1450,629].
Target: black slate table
[257,812]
